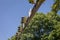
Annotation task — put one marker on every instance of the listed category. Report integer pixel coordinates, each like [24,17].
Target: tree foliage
[56,6]
[42,27]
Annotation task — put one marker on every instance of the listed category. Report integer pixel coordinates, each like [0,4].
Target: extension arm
[34,10]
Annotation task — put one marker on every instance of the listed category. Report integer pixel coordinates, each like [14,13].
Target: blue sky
[11,12]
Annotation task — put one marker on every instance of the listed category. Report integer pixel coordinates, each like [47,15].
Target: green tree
[56,6]
[42,27]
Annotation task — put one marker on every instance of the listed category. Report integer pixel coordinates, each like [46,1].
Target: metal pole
[34,10]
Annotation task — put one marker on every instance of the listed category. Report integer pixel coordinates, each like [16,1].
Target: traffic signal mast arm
[34,10]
